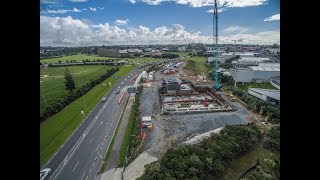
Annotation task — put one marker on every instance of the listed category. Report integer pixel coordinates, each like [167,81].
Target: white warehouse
[256,73]
[270,95]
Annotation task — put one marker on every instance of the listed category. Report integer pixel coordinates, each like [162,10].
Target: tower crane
[217,84]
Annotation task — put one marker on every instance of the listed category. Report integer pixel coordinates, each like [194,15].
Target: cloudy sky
[117,22]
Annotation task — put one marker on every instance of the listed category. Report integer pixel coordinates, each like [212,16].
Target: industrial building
[275,82]
[245,62]
[264,72]
[269,95]
[223,56]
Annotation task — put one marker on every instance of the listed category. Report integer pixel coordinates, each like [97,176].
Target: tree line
[272,139]
[74,94]
[207,159]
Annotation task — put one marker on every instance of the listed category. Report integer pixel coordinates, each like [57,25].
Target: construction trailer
[146,122]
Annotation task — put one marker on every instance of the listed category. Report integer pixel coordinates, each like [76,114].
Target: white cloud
[219,10]
[79,0]
[92,9]
[66,31]
[154,2]
[121,22]
[275,17]
[50,1]
[60,11]
[235,29]
[203,3]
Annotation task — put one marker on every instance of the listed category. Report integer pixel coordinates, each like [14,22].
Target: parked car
[44,173]
[118,92]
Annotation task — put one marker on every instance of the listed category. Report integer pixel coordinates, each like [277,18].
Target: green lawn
[198,66]
[245,86]
[57,128]
[52,80]
[78,57]
[241,164]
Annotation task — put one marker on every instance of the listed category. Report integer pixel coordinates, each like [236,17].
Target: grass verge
[57,128]
[103,166]
[126,139]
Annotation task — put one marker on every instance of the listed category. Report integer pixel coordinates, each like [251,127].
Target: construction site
[175,107]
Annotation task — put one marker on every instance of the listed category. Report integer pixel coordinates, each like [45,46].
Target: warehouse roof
[273,93]
[259,68]
[276,65]
[255,58]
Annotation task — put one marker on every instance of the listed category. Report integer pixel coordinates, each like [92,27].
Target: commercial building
[270,95]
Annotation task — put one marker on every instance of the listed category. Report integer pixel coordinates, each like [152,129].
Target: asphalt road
[82,154]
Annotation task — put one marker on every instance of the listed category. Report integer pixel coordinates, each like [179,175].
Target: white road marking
[90,140]
[83,176]
[75,166]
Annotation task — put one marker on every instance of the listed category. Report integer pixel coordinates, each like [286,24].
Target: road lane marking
[81,138]
[74,148]
[75,166]
[90,140]
[83,176]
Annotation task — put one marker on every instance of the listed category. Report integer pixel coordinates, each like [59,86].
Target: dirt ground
[169,131]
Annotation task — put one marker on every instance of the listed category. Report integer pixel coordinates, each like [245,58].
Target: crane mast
[217,84]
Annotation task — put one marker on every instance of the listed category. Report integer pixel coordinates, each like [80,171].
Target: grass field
[241,164]
[52,80]
[78,57]
[245,86]
[198,66]
[57,128]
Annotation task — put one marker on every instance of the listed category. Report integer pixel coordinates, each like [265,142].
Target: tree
[70,85]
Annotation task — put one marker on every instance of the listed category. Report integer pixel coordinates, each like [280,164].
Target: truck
[146,122]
